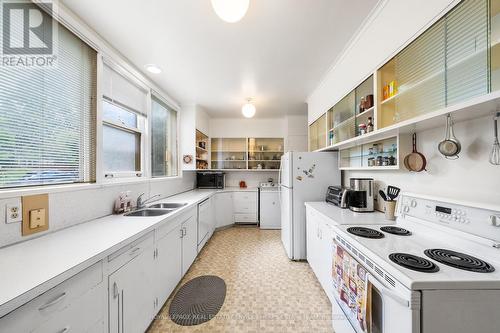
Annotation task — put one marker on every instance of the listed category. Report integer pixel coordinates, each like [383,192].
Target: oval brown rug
[198,301]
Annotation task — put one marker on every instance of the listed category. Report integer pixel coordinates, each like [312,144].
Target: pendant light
[248,109]
[230,11]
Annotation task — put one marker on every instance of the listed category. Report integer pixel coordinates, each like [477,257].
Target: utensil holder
[389,209]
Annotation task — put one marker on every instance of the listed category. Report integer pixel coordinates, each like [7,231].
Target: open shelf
[202,153]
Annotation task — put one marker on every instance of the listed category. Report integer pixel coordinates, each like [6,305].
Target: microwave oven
[210,179]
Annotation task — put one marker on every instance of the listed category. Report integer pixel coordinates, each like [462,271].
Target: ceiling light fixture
[152,68]
[230,11]
[248,109]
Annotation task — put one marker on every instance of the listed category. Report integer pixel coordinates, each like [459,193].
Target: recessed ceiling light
[248,109]
[152,68]
[230,11]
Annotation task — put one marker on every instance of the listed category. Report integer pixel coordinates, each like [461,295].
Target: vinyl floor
[266,292]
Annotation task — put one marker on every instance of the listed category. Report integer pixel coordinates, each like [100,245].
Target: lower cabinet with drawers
[76,305]
[245,205]
[121,293]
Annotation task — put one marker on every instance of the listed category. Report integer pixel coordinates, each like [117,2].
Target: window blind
[47,118]
[123,91]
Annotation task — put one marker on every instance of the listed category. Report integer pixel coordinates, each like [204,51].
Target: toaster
[338,196]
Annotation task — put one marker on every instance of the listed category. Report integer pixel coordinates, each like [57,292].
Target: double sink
[157,209]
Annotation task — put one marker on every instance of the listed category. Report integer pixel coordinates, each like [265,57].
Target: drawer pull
[65,330]
[52,303]
[134,251]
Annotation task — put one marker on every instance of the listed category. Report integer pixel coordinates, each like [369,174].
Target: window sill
[17,192]
[22,191]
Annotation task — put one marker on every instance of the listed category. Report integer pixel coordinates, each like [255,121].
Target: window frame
[109,176]
[154,94]
[107,54]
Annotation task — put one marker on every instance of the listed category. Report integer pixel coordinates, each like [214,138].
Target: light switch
[35,214]
[37,218]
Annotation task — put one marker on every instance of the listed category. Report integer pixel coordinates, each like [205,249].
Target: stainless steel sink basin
[149,212]
[168,205]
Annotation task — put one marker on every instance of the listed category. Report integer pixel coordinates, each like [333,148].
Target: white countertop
[30,268]
[340,216]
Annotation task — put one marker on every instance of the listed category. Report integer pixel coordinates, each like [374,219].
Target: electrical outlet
[13,212]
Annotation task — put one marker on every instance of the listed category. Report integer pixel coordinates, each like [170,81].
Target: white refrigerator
[303,177]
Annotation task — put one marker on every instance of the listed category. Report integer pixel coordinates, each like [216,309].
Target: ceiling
[276,54]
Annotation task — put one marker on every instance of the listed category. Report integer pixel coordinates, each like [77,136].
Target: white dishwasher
[204,222]
[269,206]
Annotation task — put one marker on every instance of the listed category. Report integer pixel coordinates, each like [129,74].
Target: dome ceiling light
[248,110]
[152,68]
[230,11]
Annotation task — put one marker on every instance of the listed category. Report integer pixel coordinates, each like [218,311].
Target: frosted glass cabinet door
[495,44]
[467,51]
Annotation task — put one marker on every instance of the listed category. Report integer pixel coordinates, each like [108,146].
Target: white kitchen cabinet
[245,207]
[189,227]
[132,300]
[223,209]
[319,249]
[270,211]
[168,263]
[77,303]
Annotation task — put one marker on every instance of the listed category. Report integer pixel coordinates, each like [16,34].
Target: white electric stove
[437,270]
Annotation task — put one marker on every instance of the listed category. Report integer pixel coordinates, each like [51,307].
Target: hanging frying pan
[415,161]
[450,147]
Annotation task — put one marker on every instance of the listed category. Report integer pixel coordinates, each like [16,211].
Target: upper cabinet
[495,44]
[342,120]
[246,153]
[265,153]
[229,153]
[445,65]
[317,134]
[453,66]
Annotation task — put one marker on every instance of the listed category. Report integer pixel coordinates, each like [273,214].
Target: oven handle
[387,292]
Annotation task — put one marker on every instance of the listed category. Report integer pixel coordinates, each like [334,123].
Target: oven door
[369,305]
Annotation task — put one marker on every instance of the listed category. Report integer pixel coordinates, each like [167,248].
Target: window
[122,141]
[47,118]
[124,123]
[163,140]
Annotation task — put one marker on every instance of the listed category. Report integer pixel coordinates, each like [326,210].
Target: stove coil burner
[413,262]
[396,231]
[365,232]
[459,260]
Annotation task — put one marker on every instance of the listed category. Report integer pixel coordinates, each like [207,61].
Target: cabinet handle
[134,251]
[52,303]
[115,290]
[65,330]
[182,232]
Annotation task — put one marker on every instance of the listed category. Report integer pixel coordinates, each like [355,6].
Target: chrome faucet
[142,203]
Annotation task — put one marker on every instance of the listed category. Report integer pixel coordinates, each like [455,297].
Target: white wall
[296,133]
[392,24]
[251,178]
[241,128]
[470,178]
[202,120]
[71,207]
[188,135]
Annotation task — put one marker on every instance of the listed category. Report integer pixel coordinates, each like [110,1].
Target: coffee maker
[361,195]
